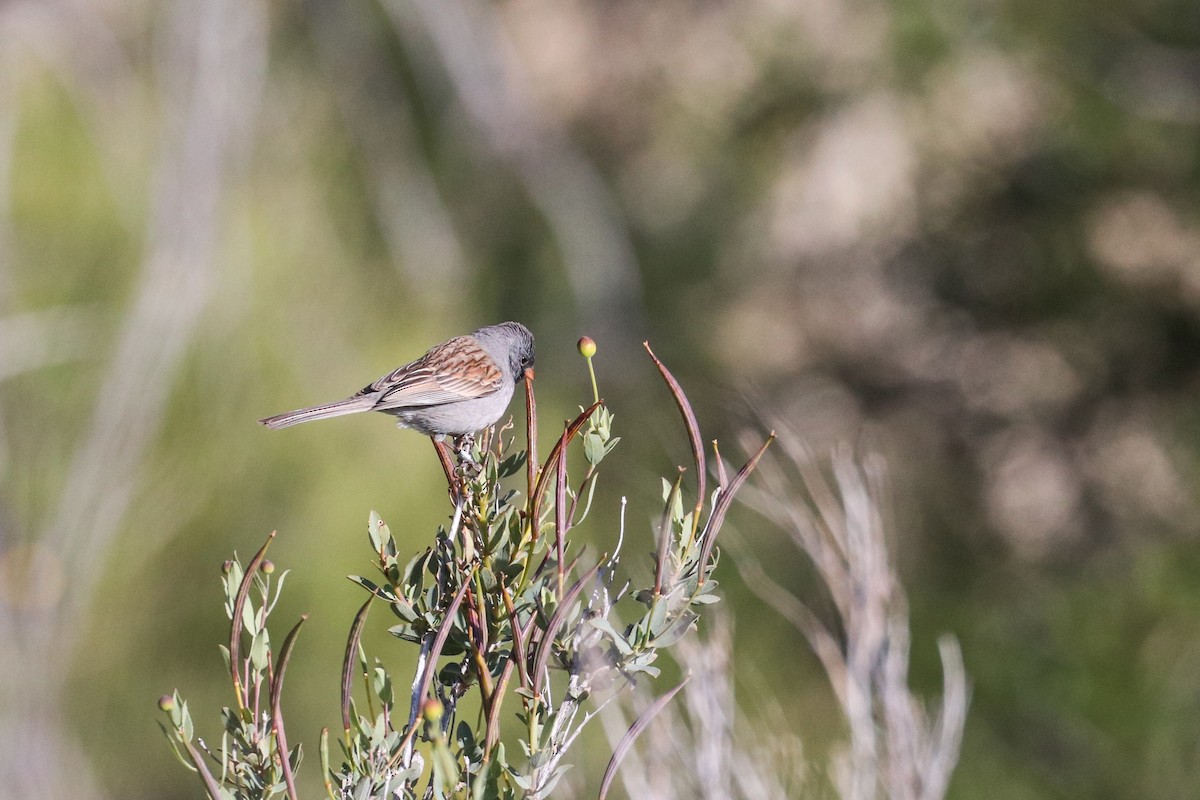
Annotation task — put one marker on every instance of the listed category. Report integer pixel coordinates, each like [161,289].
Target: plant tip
[227,567]
[587,346]
[433,710]
[166,703]
[267,567]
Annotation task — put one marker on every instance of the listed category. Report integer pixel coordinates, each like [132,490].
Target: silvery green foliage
[501,604]
[249,762]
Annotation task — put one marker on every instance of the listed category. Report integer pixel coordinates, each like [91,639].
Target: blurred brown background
[963,234]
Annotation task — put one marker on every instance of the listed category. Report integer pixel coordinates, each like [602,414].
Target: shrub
[501,605]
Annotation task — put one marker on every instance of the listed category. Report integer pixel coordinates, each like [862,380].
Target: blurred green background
[963,234]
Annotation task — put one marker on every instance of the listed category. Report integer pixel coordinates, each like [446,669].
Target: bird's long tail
[351,405]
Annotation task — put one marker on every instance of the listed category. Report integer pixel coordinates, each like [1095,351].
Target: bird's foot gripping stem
[463,447]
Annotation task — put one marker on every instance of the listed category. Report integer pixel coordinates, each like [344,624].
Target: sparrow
[460,386]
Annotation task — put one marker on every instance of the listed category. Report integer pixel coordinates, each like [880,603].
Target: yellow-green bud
[166,702]
[268,566]
[587,347]
[433,710]
[227,567]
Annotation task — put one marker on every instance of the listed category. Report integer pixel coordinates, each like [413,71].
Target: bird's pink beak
[529,373]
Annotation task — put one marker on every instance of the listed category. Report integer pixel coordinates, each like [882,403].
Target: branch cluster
[502,605]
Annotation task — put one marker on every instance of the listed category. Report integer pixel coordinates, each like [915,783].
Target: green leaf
[554,778]
[363,582]
[260,647]
[658,617]
[375,528]
[185,723]
[404,610]
[677,629]
[511,465]
[604,626]
[653,672]
[382,684]
[464,736]
[406,632]
[173,740]
[249,617]
[489,579]
[593,448]
[233,579]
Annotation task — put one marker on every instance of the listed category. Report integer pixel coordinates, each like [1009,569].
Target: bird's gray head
[511,341]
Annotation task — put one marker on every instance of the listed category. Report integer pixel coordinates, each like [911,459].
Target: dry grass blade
[723,502]
[356,630]
[634,731]
[235,627]
[285,653]
[693,431]
[823,643]
[560,613]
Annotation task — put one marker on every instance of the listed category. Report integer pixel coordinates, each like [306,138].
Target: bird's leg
[453,481]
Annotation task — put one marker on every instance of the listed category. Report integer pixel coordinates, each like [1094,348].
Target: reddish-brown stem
[435,653]
[560,613]
[235,627]
[285,763]
[210,783]
[693,431]
[560,510]
[722,478]
[531,459]
[452,482]
[493,714]
[479,645]
[583,486]
[356,630]
[535,499]
[519,640]
[722,507]
[634,731]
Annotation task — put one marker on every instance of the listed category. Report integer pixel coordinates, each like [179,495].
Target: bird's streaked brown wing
[458,369]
